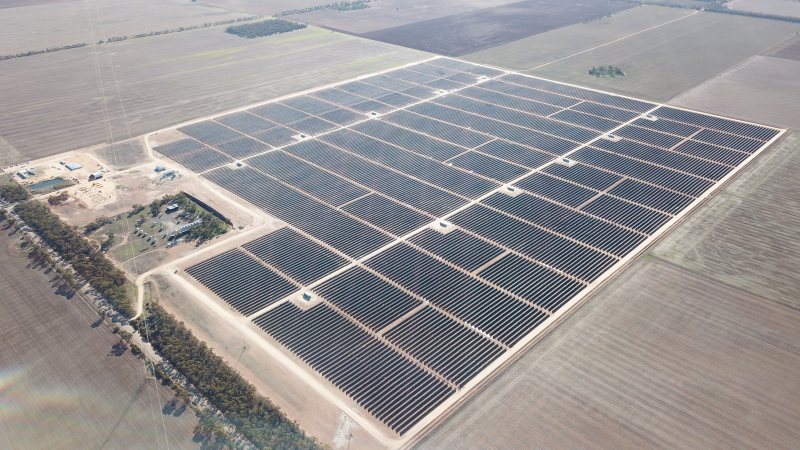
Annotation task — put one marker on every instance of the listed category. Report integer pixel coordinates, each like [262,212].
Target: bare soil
[61,386]
[660,358]
[460,34]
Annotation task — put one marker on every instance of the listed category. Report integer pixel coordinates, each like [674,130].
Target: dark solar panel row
[411,76]
[444,345]
[442,130]
[310,105]
[457,247]
[210,132]
[389,83]
[556,251]
[651,196]
[558,190]
[410,140]
[496,313]
[342,116]
[581,93]
[338,97]
[313,125]
[445,84]
[664,158]
[502,130]
[242,147]
[464,78]
[241,281]
[279,113]
[397,100]
[532,281]
[364,89]
[586,120]
[489,167]
[466,67]
[407,190]
[530,94]
[389,216]
[276,137]
[608,112]
[508,101]
[434,172]
[366,297]
[518,118]
[716,123]
[193,155]
[390,387]
[589,230]
[323,185]
[246,122]
[295,255]
[628,214]
[712,152]
[667,126]
[584,175]
[648,136]
[432,70]
[726,140]
[344,233]
[518,154]
[660,176]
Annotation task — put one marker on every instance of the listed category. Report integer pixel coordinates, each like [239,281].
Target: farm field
[742,92]
[746,235]
[74,21]
[660,358]
[464,33]
[790,8]
[60,386]
[266,8]
[164,80]
[393,13]
[790,51]
[547,47]
[660,63]
[407,175]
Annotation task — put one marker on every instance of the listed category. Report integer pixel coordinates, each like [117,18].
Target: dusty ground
[148,84]
[271,369]
[393,13]
[660,63]
[75,21]
[789,8]
[547,47]
[460,34]
[661,358]
[789,51]
[746,236]
[762,89]
[59,387]
[123,155]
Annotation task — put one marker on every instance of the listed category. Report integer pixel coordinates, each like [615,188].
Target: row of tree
[264,28]
[606,71]
[263,423]
[85,259]
[337,6]
[13,192]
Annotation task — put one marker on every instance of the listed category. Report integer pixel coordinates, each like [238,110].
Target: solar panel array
[440,213]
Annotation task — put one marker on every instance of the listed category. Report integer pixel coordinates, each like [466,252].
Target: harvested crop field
[165,80]
[465,33]
[60,388]
[75,21]
[790,8]
[746,236]
[659,63]
[394,13]
[660,358]
[791,51]
[763,89]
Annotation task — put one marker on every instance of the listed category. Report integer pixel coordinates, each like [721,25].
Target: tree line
[337,6]
[87,261]
[254,416]
[264,28]
[13,192]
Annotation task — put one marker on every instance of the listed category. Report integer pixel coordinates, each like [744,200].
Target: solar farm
[440,216]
